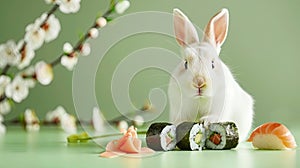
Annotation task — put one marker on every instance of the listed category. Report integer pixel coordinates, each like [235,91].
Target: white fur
[222,99]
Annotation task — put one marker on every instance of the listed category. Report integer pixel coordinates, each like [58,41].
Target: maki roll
[190,136]
[222,135]
[161,136]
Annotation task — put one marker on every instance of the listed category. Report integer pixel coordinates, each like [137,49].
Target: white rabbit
[202,86]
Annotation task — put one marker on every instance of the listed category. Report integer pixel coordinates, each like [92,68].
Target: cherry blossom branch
[2,97]
[50,12]
[44,29]
[68,123]
[43,72]
[86,36]
[23,47]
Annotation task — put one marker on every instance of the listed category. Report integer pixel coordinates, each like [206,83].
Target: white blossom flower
[101,22]
[30,71]
[9,54]
[30,117]
[97,120]
[68,123]
[122,125]
[69,6]
[30,82]
[32,127]
[27,54]
[4,107]
[60,116]
[67,48]
[44,73]
[35,35]
[85,49]
[31,120]
[17,90]
[138,120]
[122,6]
[2,129]
[4,81]
[93,33]
[69,62]
[55,115]
[50,1]
[51,27]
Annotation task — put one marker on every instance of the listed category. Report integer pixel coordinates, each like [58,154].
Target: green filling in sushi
[192,136]
[189,136]
[170,135]
[222,135]
[161,136]
[198,138]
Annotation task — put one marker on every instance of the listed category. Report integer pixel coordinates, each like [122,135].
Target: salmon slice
[272,135]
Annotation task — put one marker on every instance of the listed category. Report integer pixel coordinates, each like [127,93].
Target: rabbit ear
[217,28]
[184,30]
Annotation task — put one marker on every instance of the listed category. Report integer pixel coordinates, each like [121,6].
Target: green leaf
[73,138]
[83,137]
[108,19]
[112,3]
[78,138]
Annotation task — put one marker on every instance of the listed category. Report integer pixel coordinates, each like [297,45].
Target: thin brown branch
[49,13]
[2,97]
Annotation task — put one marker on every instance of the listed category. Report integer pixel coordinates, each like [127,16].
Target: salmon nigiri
[272,135]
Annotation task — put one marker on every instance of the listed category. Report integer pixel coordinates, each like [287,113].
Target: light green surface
[48,148]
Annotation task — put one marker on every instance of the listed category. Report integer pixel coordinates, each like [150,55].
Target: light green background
[261,49]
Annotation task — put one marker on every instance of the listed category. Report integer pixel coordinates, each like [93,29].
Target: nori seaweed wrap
[222,135]
[190,136]
[161,136]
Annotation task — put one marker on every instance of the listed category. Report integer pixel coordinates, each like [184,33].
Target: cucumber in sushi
[190,136]
[161,136]
[222,135]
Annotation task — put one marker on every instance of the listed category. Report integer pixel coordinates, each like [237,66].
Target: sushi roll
[190,136]
[222,135]
[272,135]
[161,136]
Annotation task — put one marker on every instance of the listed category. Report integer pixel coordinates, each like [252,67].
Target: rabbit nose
[199,81]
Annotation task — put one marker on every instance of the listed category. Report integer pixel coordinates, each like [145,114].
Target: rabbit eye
[212,64]
[185,64]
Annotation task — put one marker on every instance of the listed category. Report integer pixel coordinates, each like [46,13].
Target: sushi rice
[169,132]
[161,136]
[216,129]
[197,137]
[190,136]
[223,135]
